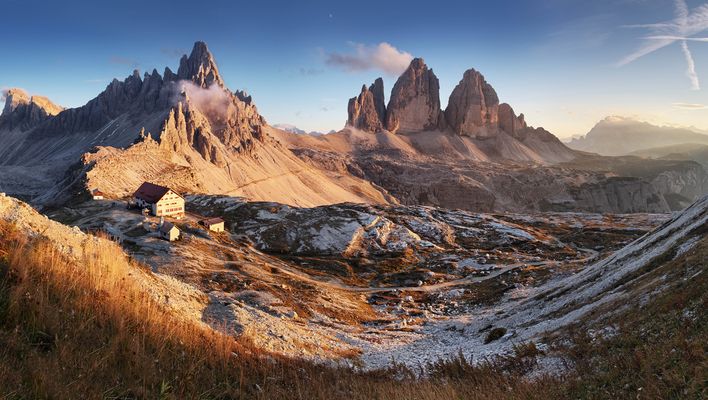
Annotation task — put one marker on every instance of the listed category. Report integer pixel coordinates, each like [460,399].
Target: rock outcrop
[473,107]
[200,67]
[368,111]
[24,112]
[415,101]
[509,122]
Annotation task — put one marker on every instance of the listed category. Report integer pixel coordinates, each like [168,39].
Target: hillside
[645,288]
[686,152]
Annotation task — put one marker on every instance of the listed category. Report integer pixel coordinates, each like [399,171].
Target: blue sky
[557,61]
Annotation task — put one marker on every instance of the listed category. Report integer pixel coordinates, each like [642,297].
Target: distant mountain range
[294,129]
[616,136]
[187,130]
[687,151]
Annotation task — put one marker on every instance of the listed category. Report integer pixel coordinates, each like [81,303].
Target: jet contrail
[690,39]
[691,69]
[680,29]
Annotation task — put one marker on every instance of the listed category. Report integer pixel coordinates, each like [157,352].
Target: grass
[85,328]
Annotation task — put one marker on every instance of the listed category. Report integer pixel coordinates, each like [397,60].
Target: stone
[415,100]
[200,67]
[509,122]
[473,107]
[24,112]
[368,111]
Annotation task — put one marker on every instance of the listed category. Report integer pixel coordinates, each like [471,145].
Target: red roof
[150,192]
[212,221]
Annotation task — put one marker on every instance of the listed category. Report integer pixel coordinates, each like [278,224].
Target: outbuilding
[213,224]
[97,194]
[169,231]
[160,200]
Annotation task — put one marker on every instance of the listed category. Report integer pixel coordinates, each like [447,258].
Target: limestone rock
[415,100]
[23,111]
[200,67]
[509,122]
[368,112]
[473,107]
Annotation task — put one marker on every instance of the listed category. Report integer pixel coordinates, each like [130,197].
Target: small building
[97,194]
[169,231]
[160,200]
[213,224]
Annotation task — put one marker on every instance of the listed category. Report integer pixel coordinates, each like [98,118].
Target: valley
[163,239]
[362,284]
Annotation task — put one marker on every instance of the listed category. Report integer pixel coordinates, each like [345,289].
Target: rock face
[473,107]
[368,111]
[199,67]
[509,122]
[24,112]
[415,101]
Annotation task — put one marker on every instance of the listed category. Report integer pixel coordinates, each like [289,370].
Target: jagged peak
[14,97]
[25,111]
[200,67]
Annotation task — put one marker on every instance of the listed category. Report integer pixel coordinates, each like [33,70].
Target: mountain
[294,129]
[478,154]
[615,136]
[22,111]
[686,151]
[474,114]
[187,130]
[184,130]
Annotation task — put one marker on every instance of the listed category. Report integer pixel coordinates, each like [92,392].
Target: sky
[565,64]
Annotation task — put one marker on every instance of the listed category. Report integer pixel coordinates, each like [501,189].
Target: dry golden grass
[86,329]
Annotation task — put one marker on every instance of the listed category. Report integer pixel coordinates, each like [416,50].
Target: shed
[97,194]
[169,231]
[213,224]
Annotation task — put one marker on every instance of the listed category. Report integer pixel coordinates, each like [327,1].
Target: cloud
[173,52]
[212,101]
[680,29]
[382,56]
[310,71]
[123,61]
[690,106]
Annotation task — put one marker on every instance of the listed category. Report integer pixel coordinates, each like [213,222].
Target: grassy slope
[83,330]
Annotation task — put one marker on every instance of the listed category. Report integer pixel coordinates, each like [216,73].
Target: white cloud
[690,106]
[382,56]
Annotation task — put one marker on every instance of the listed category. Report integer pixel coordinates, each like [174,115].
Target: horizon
[564,66]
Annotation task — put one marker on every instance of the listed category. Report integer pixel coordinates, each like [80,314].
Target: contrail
[691,70]
[680,29]
[690,39]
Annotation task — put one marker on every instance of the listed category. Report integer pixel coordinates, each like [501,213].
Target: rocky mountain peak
[415,100]
[368,110]
[14,98]
[473,107]
[24,111]
[509,122]
[199,67]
